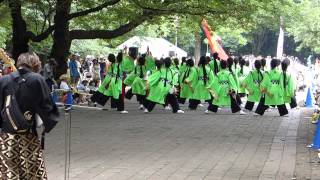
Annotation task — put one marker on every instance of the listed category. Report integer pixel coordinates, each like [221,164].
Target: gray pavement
[192,146]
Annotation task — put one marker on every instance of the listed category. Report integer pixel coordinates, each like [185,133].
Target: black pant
[119,103]
[238,99]
[181,100]
[193,104]
[262,108]
[99,98]
[234,106]
[171,99]
[249,105]
[293,103]
[129,94]
[141,98]
[102,100]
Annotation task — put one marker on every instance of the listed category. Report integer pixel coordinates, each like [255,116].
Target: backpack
[14,120]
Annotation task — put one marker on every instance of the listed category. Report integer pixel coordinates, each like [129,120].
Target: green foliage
[304,26]
[90,47]
[5,26]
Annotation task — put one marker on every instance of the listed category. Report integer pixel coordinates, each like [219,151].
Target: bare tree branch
[42,36]
[108,34]
[92,10]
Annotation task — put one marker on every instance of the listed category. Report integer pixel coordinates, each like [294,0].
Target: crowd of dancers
[170,82]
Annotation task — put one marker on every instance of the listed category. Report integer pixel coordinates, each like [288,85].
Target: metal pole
[67,142]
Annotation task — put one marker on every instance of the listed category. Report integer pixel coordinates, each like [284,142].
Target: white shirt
[64,86]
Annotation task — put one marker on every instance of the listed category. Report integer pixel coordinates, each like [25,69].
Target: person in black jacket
[21,155]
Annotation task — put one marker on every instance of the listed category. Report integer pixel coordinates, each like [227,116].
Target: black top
[33,95]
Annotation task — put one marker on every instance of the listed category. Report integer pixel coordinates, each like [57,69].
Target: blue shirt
[73,68]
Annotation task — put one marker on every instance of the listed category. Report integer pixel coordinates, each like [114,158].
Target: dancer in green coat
[160,86]
[204,79]
[288,85]
[242,74]
[111,86]
[223,90]
[188,80]
[214,64]
[252,84]
[136,79]
[272,87]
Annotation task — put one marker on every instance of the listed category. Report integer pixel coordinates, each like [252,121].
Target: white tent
[159,47]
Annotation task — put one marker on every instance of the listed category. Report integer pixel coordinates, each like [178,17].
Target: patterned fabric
[21,157]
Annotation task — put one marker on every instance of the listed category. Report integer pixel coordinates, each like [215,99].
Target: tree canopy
[51,26]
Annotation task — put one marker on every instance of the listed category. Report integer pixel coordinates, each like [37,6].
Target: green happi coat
[201,91]
[188,81]
[112,83]
[222,84]
[176,73]
[150,64]
[288,87]
[235,71]
[183,68]
[241,77]
[161,82]
[127,64]
[136,80]
[272,83]
[252,84]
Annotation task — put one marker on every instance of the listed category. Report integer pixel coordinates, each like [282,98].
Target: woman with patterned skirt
[21,153]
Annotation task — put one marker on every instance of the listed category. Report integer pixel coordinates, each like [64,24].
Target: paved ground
[161,145]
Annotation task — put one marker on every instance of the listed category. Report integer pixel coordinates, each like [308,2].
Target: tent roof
[159,47]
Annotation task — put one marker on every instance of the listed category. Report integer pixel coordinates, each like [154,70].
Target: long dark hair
[158,64]
[190,64]
[242,63]
[215,59]
[263,63]
[183,60]
[112,60]
[167,64]
[258,66]
[284,67]
[229,64]
[119,60]
[176,62]
[223,64]
[274,63]
[203,63]
[141,63]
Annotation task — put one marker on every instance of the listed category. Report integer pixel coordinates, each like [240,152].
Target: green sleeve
[210,77]
[154,78]
[192,78]
[232,81]
[290,86]
[150,64]
[127,64]
[266,81]
[130,78]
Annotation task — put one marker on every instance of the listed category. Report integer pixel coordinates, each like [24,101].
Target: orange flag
[214,45]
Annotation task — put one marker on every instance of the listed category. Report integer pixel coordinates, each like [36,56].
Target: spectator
[103,68]
[74,70]
[64,82]
[21,153]
[96,71]
[48,72]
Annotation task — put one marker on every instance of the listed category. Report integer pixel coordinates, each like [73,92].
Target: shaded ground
[162,145]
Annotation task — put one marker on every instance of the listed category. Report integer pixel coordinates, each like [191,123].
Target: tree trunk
[197,47]
[61,36]
[19,30]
